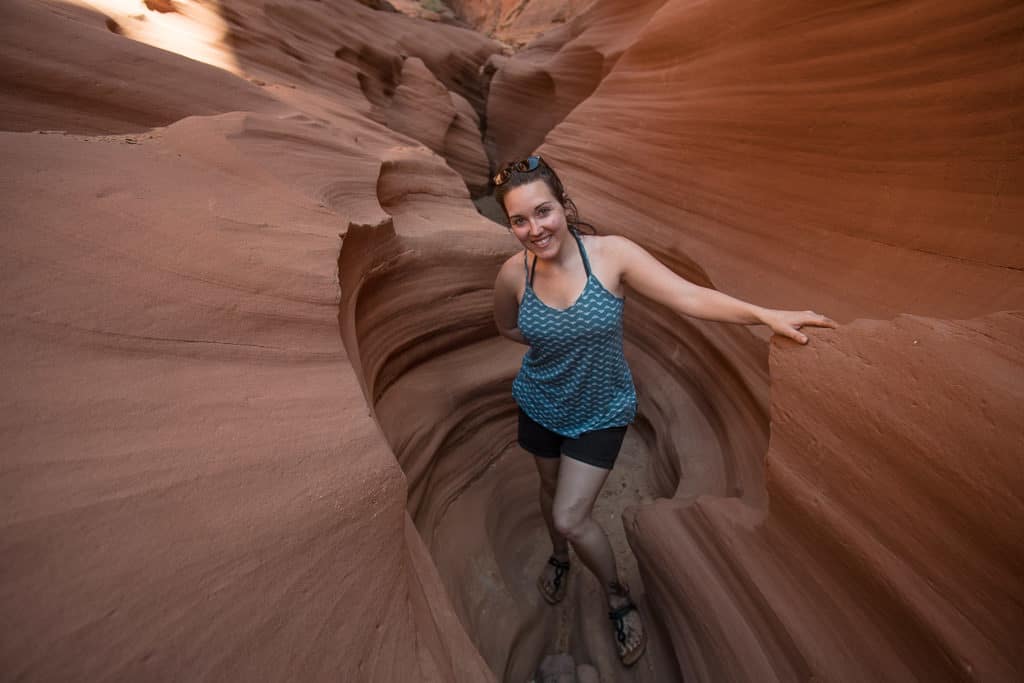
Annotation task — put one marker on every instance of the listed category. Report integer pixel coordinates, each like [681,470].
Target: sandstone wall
[193,485]
[863,161]
[258,422]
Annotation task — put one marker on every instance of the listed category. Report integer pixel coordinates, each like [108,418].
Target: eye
[517,221]
[544,211]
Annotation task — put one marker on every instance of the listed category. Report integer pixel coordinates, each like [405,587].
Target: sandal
[629,657]
[560,582]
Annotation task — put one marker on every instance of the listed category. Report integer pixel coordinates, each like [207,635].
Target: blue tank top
[574,378]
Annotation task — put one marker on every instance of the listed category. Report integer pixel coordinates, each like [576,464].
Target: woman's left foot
[630,637]
[554,580]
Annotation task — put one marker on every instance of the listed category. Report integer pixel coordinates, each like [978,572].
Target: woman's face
[537,218]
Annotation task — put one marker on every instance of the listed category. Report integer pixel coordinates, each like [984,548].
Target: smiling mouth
[543,242]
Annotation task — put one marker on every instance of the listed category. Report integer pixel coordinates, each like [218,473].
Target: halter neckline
[533,269]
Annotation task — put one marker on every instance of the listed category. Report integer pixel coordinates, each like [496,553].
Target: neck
[568,255]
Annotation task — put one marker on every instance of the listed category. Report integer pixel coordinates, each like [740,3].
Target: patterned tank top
[574,378]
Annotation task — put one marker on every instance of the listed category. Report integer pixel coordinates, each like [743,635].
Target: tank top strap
[583,252]
[526,267]
[530,271]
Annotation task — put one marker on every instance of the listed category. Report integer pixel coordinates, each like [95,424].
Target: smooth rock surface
[258,423]
[194,487]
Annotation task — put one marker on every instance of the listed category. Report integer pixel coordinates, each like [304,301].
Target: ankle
[617,592]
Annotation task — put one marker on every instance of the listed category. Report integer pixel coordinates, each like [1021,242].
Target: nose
[536,226]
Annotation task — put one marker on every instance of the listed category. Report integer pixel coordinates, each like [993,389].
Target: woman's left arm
[648,276]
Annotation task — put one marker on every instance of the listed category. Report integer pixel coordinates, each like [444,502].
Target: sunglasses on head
[525,166]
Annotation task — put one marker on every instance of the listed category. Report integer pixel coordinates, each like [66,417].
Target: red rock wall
[872,152]
[194,487]
[533,92]
[864,161]
[516,21]
[230,449]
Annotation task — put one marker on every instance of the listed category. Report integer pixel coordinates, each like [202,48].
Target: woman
[574,389]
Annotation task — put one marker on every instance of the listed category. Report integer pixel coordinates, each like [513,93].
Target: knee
[569,522]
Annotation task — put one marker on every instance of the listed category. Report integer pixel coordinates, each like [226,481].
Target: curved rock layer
[864,161]
[861,159]
[532,92]
[891,549]
[417,314]
[516,21]
[104,84]
[418,78]
[193,486]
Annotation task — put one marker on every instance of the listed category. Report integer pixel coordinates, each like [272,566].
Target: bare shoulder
[511,276]
[618,242]
[512,266]
[608,257]
[613,251]
[609,243]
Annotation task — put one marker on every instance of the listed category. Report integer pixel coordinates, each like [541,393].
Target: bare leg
[548,470]
[578,486]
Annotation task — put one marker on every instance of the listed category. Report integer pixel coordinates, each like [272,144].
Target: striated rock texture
[533,92]
[444,121]
[889,550]
[867,160]
[314,56]
[517,21]
[97,87]
[258,424]
[864,161]
[193,486]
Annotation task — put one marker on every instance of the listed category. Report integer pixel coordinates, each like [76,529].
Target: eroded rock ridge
[258,422]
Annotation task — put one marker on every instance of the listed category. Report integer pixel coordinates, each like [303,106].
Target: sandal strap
[555,562]
[618,614]
[561,569]
[617,617]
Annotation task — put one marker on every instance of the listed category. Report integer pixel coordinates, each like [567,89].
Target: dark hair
[551,179]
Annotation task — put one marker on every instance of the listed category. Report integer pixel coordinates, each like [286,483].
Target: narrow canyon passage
[417,307]
[417,316]
[257,419]
[736,552]
[489,547]
[473,495]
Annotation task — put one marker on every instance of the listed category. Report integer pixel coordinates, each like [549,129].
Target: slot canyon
[257,418]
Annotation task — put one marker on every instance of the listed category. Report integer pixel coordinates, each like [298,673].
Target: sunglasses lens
[525,166]
[528,164]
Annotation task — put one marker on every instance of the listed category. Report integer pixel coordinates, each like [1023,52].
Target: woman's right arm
[506,306]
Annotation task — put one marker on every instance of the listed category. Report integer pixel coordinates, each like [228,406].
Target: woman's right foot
[630,638]
[554,579]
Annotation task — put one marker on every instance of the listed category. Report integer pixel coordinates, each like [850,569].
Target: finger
[797,336]
[817,320]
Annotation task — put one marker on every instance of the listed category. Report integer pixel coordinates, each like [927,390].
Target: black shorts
[598,448]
